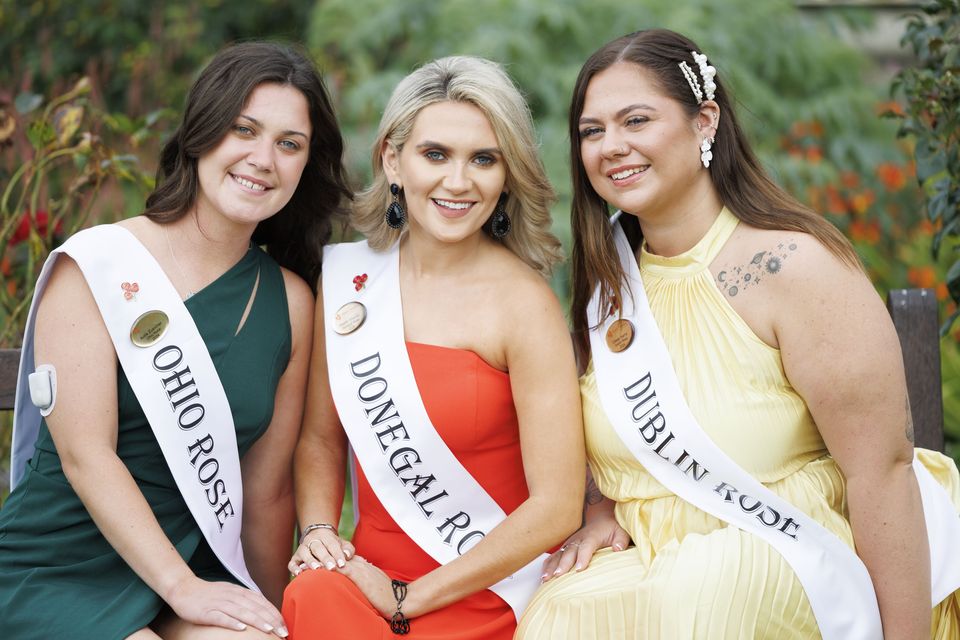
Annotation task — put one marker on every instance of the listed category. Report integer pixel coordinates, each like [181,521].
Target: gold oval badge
[619,335]
[349,317]
[149,328]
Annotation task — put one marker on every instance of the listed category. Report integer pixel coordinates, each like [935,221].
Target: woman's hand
[601,530]
[376,586]
[223,604]
[321,547]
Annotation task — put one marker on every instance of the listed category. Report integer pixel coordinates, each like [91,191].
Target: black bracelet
[399,623]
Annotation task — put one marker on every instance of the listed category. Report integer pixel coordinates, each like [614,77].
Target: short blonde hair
[485,85]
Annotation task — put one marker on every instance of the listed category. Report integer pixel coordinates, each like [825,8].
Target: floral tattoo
[763,264]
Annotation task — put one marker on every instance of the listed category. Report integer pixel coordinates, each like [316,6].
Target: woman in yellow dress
[791,370]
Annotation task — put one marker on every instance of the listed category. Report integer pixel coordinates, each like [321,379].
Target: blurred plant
[64,162]
[931,118]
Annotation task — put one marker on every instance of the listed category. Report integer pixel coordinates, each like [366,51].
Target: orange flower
[862,201]
[891,105]
[835,202]
[922,277]
[868,232]
[892,176]
[814,155]
[816,129]
[798,129]
[850,179]
[942,292]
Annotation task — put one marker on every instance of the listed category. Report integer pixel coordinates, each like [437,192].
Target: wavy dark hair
[740,180]
[295,235]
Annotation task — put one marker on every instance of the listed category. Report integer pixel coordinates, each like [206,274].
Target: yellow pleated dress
[690,575]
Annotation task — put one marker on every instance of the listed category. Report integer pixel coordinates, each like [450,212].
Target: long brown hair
[741,182]
[295,235]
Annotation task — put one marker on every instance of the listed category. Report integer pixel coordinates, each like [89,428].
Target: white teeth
[626,173]
[248,184]
[452,205]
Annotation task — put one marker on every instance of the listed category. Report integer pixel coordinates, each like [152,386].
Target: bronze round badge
[349,317]
[619,335]
[149,328]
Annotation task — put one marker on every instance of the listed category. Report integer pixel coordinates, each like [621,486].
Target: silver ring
[564,547]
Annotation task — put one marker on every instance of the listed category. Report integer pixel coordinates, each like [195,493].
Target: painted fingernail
[329,565]
[241,626]
[314,565]
[557,572]
[266,627]
[577,567]
[617,546]
[283,632]
[341,563]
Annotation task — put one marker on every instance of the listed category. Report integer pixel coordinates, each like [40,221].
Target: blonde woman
[443,354]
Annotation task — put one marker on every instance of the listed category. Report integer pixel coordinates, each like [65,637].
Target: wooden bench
[914,313]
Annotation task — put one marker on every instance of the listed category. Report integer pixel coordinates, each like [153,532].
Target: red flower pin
[359,282]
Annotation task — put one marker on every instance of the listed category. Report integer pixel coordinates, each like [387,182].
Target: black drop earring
[396,216]
[500,222]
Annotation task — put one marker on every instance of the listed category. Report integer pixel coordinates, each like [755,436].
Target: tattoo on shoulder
[909,429]
[764,264]
[593,495]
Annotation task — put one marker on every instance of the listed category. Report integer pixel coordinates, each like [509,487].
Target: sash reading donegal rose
[388,429]
[410,468]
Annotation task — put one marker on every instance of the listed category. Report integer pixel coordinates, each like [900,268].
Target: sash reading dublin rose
[643,400]
[171,373]
[418,479]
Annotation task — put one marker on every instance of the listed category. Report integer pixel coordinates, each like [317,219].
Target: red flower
[22,231]
[359,281]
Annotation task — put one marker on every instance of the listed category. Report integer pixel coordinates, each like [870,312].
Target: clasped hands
[323,548]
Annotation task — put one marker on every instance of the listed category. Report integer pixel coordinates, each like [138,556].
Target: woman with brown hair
[746,415]
[154,497]
[441,351]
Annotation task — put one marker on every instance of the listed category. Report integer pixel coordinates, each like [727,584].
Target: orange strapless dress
[471,406]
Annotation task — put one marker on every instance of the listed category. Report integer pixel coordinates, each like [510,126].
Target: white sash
[643,399]
[418,479]
[174,380]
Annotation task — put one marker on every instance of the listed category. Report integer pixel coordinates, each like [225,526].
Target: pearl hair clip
[706,71]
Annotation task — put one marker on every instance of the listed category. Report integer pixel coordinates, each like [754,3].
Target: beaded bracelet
[399,623]
[314,527]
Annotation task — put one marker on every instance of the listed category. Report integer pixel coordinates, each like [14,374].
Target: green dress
[59,577]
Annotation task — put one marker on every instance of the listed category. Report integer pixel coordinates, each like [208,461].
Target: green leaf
[945,327]
[953,280]
[40,133]
[931,159]
[24,103]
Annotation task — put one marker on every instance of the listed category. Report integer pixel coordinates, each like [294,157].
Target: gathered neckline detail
[698,257]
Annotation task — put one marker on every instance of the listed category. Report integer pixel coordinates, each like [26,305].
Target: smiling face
[255,169]
[639,148]
[451,170]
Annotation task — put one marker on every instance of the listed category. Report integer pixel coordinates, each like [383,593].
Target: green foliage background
[809,98]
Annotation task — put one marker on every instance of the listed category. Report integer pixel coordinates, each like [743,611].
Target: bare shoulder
[299,295]
[768,262]
[300,303]
[525,295]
